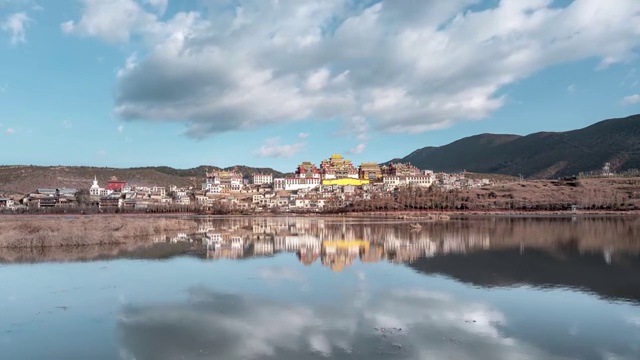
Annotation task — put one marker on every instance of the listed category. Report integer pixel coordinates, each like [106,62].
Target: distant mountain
[539,155]
[22,179]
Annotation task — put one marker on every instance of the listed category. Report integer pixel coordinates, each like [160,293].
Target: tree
[83,198]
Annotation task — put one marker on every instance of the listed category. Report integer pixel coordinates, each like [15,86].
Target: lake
[317,288]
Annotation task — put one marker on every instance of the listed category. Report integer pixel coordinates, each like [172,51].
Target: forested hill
[539,155]
[22,179]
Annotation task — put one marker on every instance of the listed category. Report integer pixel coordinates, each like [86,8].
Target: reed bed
[37,231]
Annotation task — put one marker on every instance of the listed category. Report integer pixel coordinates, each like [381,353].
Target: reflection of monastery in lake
[295,243]
[337,254]
[333,242]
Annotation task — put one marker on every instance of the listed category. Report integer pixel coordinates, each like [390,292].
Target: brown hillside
[585,193]
[23,179]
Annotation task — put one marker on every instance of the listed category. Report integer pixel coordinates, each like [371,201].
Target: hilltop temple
[337,167]
[338,171]
[370,171]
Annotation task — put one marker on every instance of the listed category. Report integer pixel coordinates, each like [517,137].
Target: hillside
[23,179]
[539,155]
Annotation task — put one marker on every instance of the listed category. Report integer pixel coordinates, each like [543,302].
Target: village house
[203,200]
[181,193]
[158,191]
[111,202]
[6,203]
[182,201]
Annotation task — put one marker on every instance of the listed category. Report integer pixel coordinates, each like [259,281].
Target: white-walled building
[6,203]
[417,180]
[278,184]
[260,179]
[291,184]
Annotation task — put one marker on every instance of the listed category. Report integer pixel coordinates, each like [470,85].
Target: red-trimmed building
[115,185]
[307,170]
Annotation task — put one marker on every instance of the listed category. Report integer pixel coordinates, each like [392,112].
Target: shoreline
[408,214]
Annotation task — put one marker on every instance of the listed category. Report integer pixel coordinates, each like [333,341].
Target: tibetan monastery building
[338,171]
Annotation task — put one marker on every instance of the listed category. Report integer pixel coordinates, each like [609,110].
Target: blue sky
[272,83]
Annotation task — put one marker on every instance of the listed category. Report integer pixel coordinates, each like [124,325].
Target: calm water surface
[294,288]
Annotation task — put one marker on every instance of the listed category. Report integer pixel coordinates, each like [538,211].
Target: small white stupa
[94,190]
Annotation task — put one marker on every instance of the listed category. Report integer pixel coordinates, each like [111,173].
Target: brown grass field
[586,193]
[38,231]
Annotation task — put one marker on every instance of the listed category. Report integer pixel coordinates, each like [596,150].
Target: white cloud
[631,99]
[16,25]
[272,148]
[403,66]
[359,149]
[10,131]
[111,20]
[120,128]
[571,88]
[303,135]
[318,79]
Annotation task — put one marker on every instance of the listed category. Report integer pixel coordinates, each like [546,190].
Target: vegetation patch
[38,231]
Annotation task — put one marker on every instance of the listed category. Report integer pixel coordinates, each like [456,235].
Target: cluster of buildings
[50,198]
[336,182]
[119,194]
[336,171]
[116,194]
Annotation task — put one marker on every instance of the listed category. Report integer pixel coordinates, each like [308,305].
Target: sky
[273,83]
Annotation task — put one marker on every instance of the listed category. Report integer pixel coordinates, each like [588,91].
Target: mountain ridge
[542,154]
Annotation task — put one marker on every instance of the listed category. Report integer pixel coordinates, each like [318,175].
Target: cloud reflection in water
[400,325]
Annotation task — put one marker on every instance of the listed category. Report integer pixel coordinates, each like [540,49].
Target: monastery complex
[334,171]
